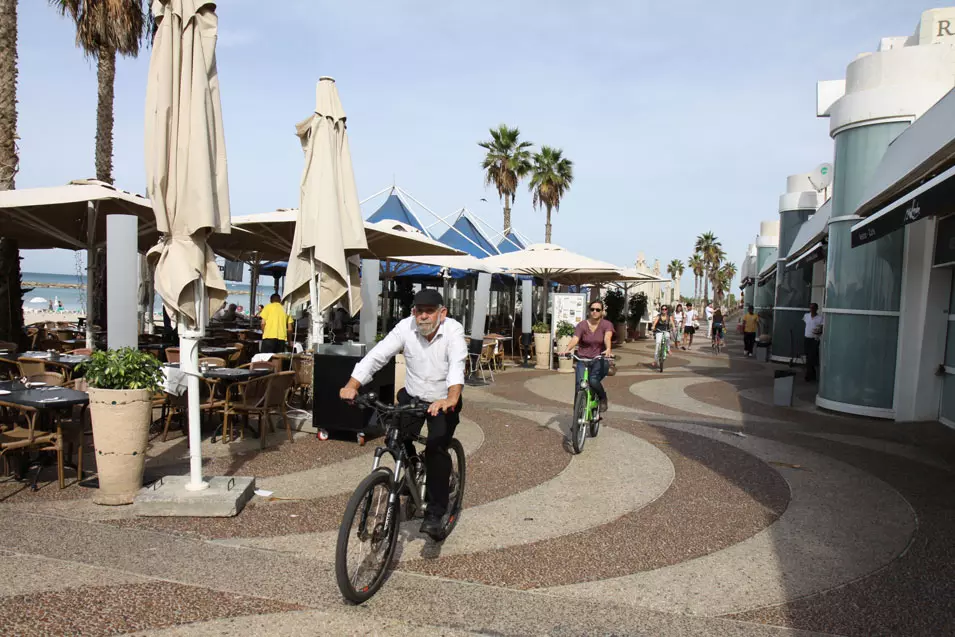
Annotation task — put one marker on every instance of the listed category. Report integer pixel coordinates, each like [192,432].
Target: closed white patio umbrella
[329,232]
[186,181]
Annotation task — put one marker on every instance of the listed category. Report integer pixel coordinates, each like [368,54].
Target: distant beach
[70,290]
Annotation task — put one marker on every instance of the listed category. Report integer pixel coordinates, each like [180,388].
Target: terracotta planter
[564,365]
[542,348]
[120,435]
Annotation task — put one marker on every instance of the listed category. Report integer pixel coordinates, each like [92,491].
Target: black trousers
[272,346]
[749,339]
[812,357]
[437,460]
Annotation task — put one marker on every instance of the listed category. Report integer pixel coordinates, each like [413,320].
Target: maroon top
[591,344]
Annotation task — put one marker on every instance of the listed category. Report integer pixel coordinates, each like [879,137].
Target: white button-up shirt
[432,366]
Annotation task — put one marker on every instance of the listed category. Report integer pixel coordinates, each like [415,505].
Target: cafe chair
[8,346]
[9,369]
[212,360]
[179,405]
[172,354]
[259,397]
[25,437]
[302,365]
[54,379]
[31,366]
[83,351]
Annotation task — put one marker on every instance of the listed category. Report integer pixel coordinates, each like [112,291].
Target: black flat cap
[428,297]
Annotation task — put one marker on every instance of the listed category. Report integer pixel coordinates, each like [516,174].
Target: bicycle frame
[664,345]
[396,449]
[592,403]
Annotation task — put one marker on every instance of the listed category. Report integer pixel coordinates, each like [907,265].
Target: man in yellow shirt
[274,326]
[750,327]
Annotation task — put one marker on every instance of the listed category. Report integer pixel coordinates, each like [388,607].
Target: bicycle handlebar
[585,360]
[370,399]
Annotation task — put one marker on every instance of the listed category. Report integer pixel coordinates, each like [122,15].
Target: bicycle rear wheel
[578,428]
[366,538]
[458,476]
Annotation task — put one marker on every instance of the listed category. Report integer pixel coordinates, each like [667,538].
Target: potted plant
[542,344]
[121,384]
[614,302]
[565,332]
[636,310]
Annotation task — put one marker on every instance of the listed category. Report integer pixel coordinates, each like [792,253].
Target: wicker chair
[260,397]
[303,365]
[31,366]
[50,378]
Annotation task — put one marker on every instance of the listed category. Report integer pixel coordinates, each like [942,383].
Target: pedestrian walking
[813,334]
[750,327]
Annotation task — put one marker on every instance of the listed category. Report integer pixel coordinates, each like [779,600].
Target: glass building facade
[793,290]
[863,285]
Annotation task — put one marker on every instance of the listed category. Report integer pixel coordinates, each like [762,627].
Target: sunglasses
[596,309]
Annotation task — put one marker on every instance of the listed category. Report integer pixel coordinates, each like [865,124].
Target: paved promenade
[700,509]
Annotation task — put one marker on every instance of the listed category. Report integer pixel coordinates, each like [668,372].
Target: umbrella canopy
[457,262]
[185,154]
[329,226]
[58,216]
[552,262]
[270,234]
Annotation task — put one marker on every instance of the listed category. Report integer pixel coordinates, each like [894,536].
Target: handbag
[612,369]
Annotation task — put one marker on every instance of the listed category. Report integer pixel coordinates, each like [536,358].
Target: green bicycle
[662,349]
[586,408]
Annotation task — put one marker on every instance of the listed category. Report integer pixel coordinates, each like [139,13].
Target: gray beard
[426,329]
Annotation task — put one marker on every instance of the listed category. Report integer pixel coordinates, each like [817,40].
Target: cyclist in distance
[661,328]
[717,331]
[594,336]
[435,352]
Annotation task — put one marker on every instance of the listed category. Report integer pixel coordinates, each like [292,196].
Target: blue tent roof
[395,210]
[464,226]
[510,243]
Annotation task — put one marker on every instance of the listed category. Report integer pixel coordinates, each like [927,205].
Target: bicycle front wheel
[366,538]
[578,428]
[458,475]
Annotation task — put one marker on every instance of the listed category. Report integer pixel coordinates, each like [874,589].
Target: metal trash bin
[763,351]
[784,381]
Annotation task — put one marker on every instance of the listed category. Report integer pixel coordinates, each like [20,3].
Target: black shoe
[432,527]
[603,405]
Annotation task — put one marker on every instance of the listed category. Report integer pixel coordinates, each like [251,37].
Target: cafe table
[38,400]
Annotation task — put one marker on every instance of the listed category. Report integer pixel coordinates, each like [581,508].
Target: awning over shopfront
[914,179]
[769,271]
[813,232]
[934,197]
[816,253]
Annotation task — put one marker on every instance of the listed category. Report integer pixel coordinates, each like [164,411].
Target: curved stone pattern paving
[841,524]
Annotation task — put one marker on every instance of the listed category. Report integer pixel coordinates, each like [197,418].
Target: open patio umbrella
[186,181]
[329,226]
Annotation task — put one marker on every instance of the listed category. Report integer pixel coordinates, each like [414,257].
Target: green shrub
[125,368]
[614,302]
[540,328]
[565,328]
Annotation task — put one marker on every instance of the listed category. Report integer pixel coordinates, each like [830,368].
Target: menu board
[568,307]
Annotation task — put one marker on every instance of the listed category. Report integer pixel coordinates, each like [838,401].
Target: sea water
[47,287]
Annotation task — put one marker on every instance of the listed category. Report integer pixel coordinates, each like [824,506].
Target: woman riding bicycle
[718,327]
[594,335]
[662,325]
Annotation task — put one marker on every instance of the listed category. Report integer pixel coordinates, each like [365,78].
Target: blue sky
[679,119]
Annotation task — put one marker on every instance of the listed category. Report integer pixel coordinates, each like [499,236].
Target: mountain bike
[586,408]
[373,515]
[662,350]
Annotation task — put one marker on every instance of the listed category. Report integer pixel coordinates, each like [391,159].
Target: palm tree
[11,294]
[717,258]
[508,160]
[103,29]
[696,264]
[723,280]
[709,247]
[675,270]
[551,178]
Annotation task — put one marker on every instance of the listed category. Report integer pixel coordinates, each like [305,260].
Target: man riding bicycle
[435,352]
[594,335]
[661,327]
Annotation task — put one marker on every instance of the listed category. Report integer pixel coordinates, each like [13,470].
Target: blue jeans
[598,371]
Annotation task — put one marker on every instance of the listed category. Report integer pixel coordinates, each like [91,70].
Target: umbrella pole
[254,284]
[314,285]
[189,335]
[91,211]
